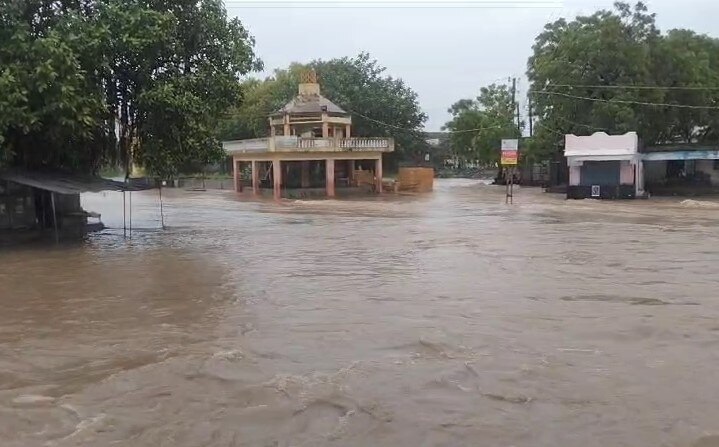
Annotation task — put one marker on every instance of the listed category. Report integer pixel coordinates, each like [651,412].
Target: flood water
[447,319]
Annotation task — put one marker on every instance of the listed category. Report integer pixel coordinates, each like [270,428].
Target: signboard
[510,152]
[596,191]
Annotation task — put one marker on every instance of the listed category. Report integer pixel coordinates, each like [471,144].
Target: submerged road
[446,319]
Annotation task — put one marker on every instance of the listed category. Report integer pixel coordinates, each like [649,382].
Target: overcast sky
[444,54]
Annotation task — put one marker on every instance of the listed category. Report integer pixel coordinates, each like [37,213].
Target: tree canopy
[478,125]
[380,105]
[614,71]
[86,82]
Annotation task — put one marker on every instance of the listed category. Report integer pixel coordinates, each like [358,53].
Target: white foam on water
[691,203]
[33,399]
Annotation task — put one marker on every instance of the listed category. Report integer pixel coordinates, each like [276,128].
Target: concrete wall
[626,173]
[195,183]
[601,144]
[575,174]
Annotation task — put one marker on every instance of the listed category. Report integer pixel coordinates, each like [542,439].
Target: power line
[588,126]
[394,4]
[634,87]
[539,123]
[623,101]
[415,130]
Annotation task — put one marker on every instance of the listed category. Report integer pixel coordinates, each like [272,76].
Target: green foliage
[380,105]
[623,47]
[47,111]
[478,125]
[89,82]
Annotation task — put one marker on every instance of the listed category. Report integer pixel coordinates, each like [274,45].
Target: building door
[600,173]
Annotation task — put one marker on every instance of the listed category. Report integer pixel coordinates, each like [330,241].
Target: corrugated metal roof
[686,147]
[310,104]
[63,183]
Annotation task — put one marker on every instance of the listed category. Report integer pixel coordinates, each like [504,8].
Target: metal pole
[130,214]
[162,215]
[124,219]
[506,185]
[511,186]
[54,216]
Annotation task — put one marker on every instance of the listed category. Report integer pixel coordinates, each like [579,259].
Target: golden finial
[309,76]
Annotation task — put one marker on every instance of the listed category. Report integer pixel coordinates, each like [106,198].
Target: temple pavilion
[310,150]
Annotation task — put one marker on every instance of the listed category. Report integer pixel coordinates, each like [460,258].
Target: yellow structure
[310,146]
[415,179]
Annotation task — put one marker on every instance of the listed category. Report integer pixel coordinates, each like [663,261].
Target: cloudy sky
[443,53]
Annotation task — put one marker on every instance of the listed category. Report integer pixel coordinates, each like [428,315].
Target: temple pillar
[351,172]
[277,179]
[255,178]
[305,179]
[330,177]
[286,131]
[237,174]
[378,174]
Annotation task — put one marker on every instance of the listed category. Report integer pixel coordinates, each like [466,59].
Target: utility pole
[514,91]
[529,102]
[515,103]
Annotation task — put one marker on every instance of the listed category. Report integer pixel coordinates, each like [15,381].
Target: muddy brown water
[447,319]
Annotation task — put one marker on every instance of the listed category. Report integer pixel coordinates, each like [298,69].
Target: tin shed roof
[64,183]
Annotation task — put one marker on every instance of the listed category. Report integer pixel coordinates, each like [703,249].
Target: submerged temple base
[293,177]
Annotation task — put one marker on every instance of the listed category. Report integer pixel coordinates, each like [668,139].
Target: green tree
[48,108]
[478,125]
[95,81]
[584,75]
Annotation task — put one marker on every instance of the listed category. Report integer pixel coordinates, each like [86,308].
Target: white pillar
[236,173]
[330,177]
[639,178]
[378,174]
[277,179]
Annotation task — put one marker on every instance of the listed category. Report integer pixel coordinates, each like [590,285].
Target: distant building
[603,166]
[615,166]
[310,147]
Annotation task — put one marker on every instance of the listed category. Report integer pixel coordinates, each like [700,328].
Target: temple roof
[310,104]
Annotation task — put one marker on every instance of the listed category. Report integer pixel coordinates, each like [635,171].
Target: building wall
[601,144]
[17,206]
[707,167]
[655,171]
[575,173]
[626,173]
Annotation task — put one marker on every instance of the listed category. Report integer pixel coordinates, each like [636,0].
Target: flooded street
[446,319]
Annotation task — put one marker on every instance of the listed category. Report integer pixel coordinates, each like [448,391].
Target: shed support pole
[124,215]
[162,214]
[54,216]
